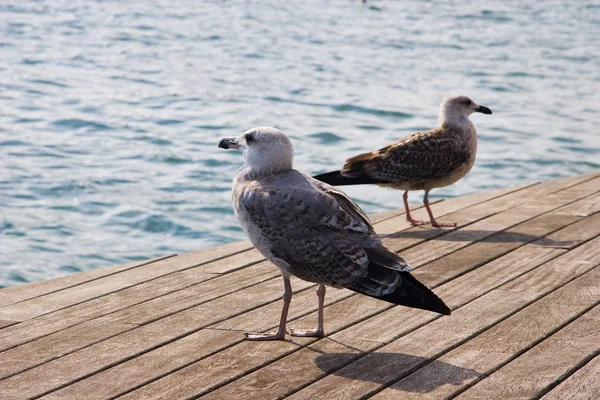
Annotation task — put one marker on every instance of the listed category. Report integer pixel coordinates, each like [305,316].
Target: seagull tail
[412,293]
[335,178]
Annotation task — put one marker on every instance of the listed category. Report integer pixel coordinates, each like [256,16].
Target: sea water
[111,111]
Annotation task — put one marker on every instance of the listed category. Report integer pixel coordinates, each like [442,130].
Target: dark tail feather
[412,293]
[335,178]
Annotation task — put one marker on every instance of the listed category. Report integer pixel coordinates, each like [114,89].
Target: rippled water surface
[110,111]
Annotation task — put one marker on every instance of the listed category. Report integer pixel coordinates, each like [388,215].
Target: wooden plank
[475,359]
[4,324]
[20,293]
[584,208]
[67,341]
[101,306]
[540,367]
[487,227]
[375,370]
[164,388]
[447,208]
[582,385]
[479,253]
[269,313]
[148,308]
[89,290]
[54,374]
[133,343]
[15,294]
[463,201]
[570,237]
[225,265]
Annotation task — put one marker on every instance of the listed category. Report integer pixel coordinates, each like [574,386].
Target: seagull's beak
[483,110]
[229,143]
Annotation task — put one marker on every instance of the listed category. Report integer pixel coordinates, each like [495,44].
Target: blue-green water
[110,111]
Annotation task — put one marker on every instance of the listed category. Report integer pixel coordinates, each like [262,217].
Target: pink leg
[319,331]
[280,334]
[407,209]
[434,223]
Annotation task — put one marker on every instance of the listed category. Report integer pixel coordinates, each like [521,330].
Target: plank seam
[496,232]
[566,375]
[313,286]
[527,348]
[208,390]
[437,317]
[300,316]
[92,280]
[134,326]
[178,337]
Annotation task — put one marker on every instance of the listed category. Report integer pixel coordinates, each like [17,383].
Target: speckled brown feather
[423,160]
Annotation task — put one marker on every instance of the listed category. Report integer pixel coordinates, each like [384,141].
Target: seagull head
[266,150]
[456,110]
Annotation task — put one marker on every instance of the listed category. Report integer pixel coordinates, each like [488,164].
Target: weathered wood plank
[582,385]
[547,362]
[461,292]
[446,209]
[584,208]
[221,259]
[462,202]
[136,341]
[89,290]
[584,187]
[478,357]
[15,294]
[164,388]
[375,370]
[569,237]
[128,297]
[4,324]
[146,308]
[272,311]
[74,338]
[20,293]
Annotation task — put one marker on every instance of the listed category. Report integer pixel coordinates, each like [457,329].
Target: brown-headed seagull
[313,231]
[421,161]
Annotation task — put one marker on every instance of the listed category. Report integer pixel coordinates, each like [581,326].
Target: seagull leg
[407,209]
[319,331]
[280,334]
[434,223]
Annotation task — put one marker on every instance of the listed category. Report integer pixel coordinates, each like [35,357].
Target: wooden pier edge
[521,273]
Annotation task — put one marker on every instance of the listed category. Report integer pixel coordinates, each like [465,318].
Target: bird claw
[416,222]
[307,333]
[436,224]
[264,336]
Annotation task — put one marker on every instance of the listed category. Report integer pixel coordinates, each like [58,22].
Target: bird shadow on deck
[446,374]
[467,235]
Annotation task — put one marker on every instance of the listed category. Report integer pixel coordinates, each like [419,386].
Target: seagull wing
[320,234]
[421,156]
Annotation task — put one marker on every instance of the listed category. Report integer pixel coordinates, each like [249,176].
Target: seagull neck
[458,121]
[252,174]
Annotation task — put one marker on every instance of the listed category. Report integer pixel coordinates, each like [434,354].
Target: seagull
[313,231]
[421,161]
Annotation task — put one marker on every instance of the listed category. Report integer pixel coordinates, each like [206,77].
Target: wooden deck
[521,273]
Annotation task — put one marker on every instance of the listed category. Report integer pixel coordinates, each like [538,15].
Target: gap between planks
[140,360]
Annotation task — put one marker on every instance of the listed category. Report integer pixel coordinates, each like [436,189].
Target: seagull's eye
[249,138]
